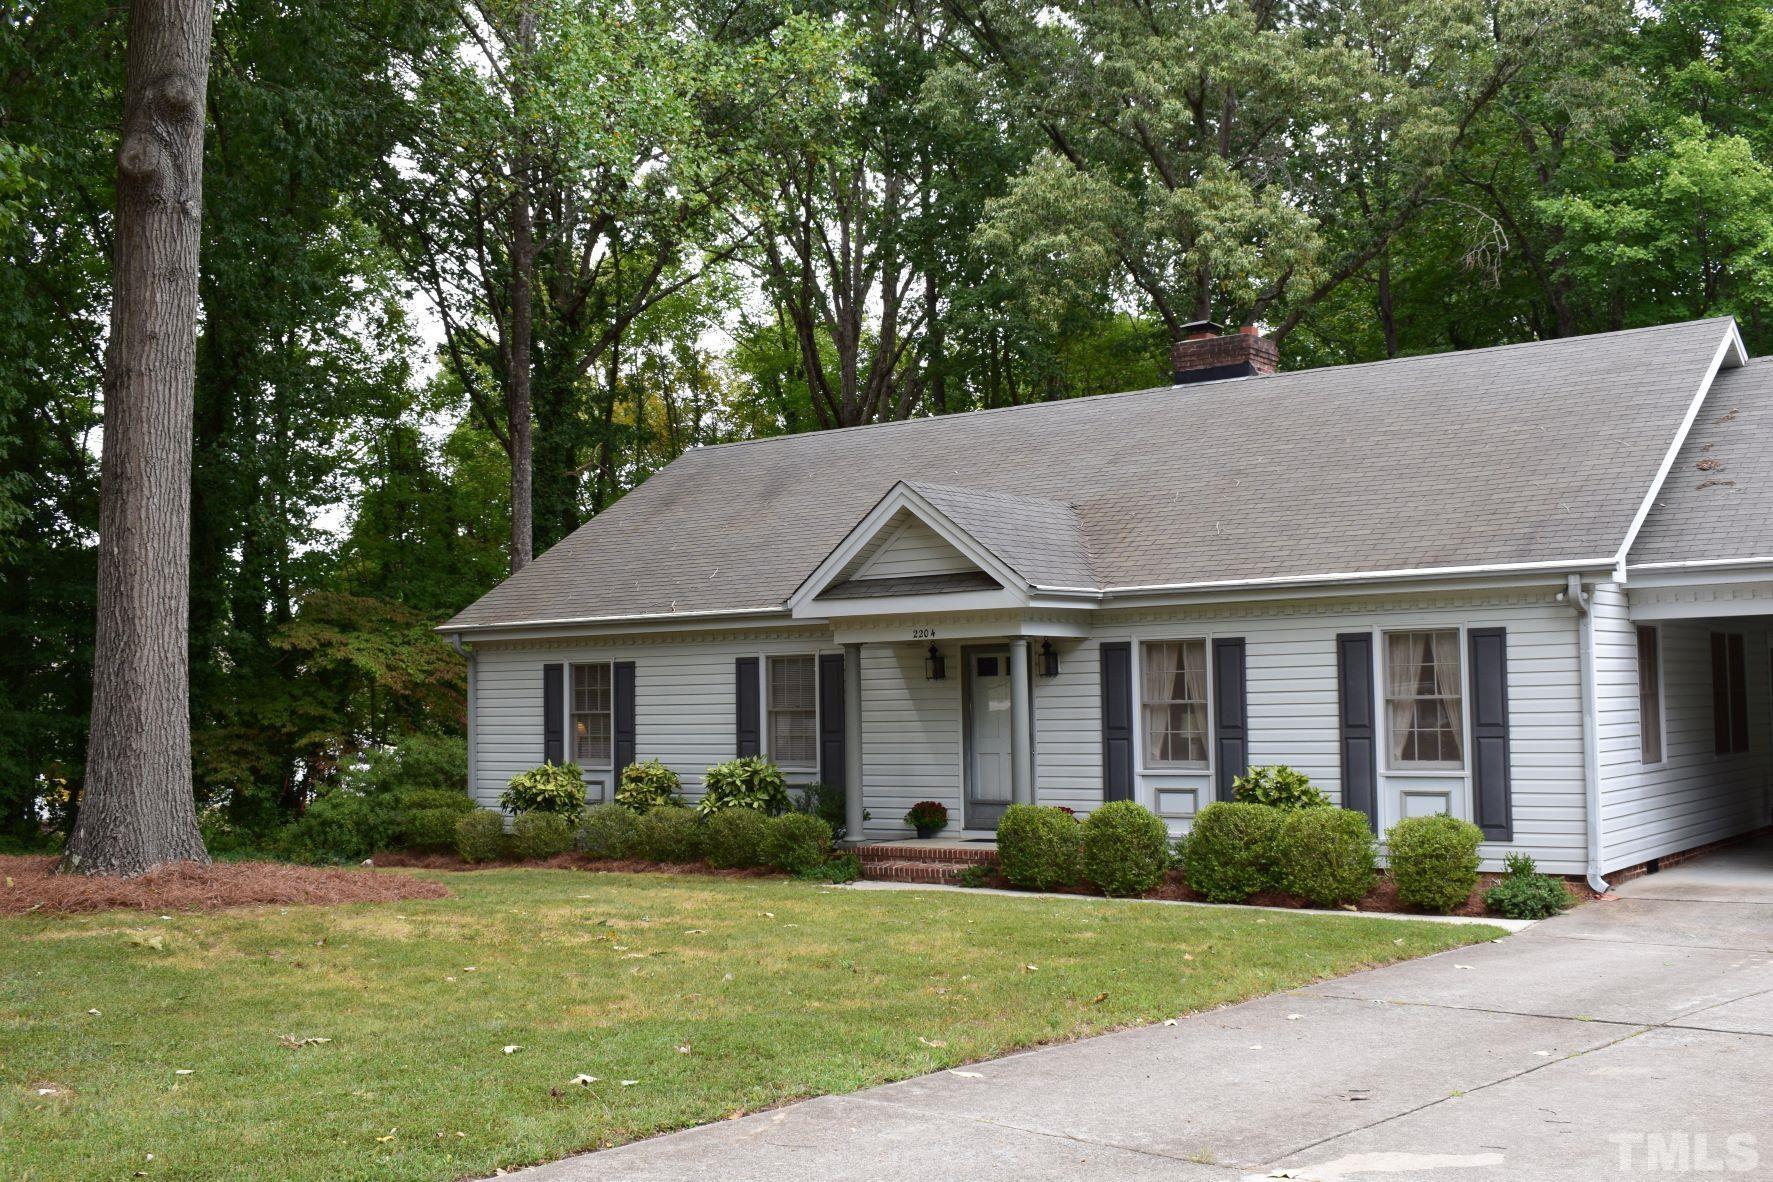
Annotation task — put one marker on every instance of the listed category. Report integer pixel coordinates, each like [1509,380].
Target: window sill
[1427,773]
[1177,770]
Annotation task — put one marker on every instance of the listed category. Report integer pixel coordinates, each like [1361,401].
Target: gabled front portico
[916,574]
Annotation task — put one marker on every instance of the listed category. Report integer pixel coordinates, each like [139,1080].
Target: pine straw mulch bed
[1381,898]
[30,884]
[413,860]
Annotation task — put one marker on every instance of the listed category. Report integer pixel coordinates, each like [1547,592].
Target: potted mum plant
[928,817]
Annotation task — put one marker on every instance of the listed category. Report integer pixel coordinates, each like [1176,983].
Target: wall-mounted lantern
[934,667]
[1049,659]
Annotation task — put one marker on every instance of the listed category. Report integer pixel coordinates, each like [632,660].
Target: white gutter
[1703,563]
[1376,576]
[1577,598]
[640,617]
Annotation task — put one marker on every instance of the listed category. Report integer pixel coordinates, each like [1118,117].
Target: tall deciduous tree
[137,810]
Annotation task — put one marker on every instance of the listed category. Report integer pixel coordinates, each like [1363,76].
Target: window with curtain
[1174,702]
[1426,724]
[794,711]
[592,715]
[1650,694]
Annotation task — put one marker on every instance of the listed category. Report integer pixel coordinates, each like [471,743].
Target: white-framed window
[1424,709]
[1173,703]
[1650,693]
[592,715]
[793,708]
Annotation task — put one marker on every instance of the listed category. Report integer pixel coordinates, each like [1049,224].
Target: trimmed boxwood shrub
[735,838]
[1230,851]
[800,844]
[1434,860]
[426,818]
[748,783]
[338,827]
[1125,848]
[1326,856]
[535,836]
[551,788]
[608,831]
[1038,847]
[647,785]
[670,834]
[1524,893]
[1278,787]
[480,836]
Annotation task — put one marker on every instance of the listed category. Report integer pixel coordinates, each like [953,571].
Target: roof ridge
[1151,390]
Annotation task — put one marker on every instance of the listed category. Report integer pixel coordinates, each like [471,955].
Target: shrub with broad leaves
[1278,787]
[1524,893]
[551,788]
[647,785]
[751,782]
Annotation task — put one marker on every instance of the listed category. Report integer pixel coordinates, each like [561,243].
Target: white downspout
[1578,599]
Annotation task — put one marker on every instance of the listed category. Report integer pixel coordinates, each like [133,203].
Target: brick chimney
[1207,352]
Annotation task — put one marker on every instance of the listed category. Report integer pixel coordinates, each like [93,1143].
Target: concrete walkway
[1630,1039]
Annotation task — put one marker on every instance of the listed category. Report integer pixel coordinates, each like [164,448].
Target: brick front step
[939,873]
[922,861]
[921,852]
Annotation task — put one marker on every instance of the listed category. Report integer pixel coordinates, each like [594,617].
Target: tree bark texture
[137,811]
[520,420]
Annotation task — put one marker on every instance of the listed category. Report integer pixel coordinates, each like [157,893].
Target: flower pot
[925,832]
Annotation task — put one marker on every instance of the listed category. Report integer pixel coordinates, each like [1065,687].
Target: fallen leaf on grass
[584,1081]
[628,1083]
[1031,968]
[513,1049]
[389,1137]
[182,1071]
[684,1049]
[1098,999]
[296,1041]
[931,1042]
[94,1013]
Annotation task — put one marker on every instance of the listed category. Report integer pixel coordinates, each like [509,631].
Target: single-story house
[1527,585]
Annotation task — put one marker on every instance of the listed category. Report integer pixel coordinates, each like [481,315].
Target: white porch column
[852,742]
[1021,725]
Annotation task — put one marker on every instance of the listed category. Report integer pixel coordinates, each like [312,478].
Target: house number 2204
[923,634]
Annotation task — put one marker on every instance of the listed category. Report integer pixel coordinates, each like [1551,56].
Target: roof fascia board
[907,605]
[1701,573]
[661,622]
[1293,584]
[1730,350]
[900,498]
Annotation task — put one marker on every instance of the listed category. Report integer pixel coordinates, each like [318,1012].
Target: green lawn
[713,996]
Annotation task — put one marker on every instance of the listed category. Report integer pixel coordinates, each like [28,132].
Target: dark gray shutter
[1720,693]
[1231,729]
[1489,732]
[1117,720]
[831,719]
[1359,735]
[746,727]
[1738,693]
[553,714]
[623,685]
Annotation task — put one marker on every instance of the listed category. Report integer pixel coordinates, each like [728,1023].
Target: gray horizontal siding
[1694,796]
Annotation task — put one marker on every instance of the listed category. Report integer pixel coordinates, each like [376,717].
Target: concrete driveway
[1630,1039]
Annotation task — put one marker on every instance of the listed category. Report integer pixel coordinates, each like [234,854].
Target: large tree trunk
[520,422]
[137,810]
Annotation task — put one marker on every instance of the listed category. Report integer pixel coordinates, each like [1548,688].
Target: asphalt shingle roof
[1718,499]
[1514,454]
[1039,538]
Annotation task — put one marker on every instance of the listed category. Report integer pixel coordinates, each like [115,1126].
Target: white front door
[988,737]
